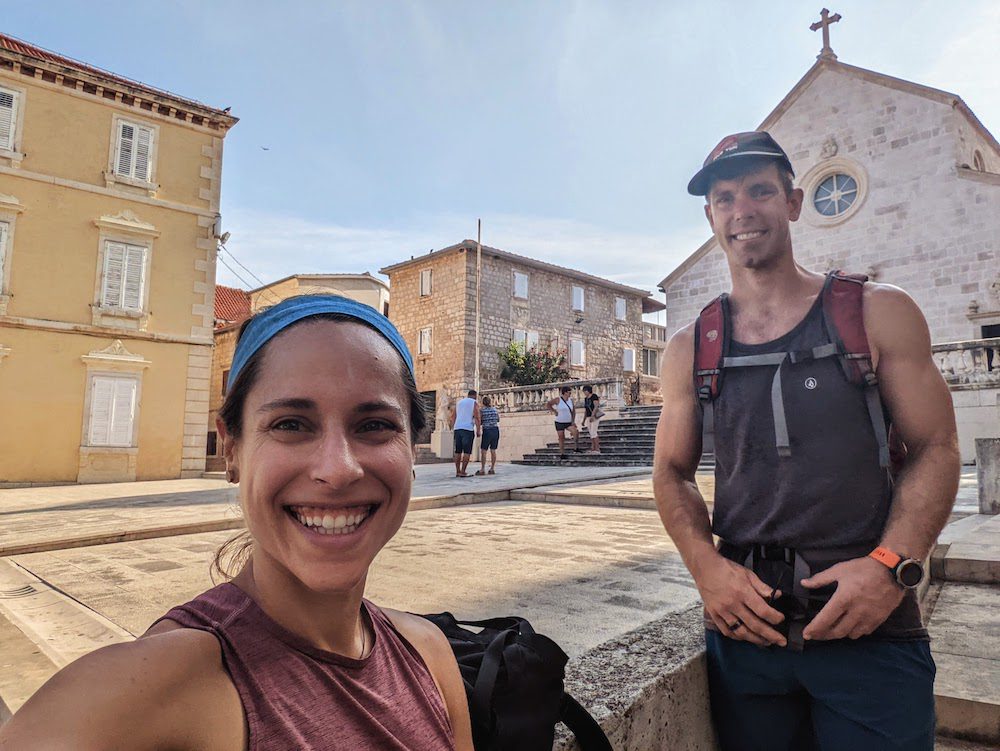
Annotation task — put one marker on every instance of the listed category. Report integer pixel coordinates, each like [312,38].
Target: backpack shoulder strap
[711,341]
[843,314]
[588,732]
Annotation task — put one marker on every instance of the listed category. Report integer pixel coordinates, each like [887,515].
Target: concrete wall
[977,412]
[648,689]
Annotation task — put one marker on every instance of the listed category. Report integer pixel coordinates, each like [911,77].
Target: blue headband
[264,326]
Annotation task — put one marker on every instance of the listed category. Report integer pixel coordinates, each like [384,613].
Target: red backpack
[842,314]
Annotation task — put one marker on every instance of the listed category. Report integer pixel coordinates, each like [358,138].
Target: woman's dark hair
[233,554]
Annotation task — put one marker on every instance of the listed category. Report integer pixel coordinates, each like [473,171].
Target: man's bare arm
[920,405]
[731,593]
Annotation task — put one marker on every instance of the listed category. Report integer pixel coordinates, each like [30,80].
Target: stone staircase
[426,456]
[964,623]
[626,440]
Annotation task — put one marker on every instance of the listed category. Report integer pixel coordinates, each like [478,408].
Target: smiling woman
[318,430]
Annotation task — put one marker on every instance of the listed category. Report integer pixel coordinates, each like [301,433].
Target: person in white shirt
[562,407]
[466,423]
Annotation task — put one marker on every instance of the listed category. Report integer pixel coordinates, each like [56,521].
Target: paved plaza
[579,551]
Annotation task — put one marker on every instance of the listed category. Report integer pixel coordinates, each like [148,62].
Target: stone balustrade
[972,364]
[534,398]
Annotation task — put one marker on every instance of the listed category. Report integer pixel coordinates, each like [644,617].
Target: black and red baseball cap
[754,143]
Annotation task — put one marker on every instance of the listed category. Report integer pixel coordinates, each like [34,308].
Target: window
[835,194]
[225,381]
[978,163]
[577,353]
[425,282]
[628,360]
[620,308]
[527,339]
[424,342]
[133,158]
[124,269]
[112,410]
[578,298]
[650,362]
[520,285]
[212,444]
[8,118]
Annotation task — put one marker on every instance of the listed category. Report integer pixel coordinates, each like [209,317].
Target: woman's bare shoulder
[166,689]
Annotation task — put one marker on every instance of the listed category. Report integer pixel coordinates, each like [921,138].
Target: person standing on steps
[592,414]
[801,380]
[465,421]
[491,436]
[562,407]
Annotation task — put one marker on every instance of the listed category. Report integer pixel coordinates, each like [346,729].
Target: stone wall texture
[926,224]
[450,312]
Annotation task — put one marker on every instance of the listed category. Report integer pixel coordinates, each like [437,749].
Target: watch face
[910,573]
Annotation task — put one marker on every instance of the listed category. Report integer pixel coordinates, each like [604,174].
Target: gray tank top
[830,491]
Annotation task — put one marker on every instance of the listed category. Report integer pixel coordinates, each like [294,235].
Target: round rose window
[835,194]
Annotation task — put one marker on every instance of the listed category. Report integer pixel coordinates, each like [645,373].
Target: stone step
[969,551]
[965,642]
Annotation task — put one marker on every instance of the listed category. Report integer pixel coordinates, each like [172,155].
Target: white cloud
[273,246]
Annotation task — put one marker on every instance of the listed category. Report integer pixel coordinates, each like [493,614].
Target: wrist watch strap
[886,557]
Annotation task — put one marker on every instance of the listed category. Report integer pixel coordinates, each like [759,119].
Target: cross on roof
[826,20]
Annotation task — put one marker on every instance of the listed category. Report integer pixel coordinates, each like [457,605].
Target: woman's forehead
[350,350]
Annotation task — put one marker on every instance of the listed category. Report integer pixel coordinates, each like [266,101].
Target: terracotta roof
[20,47]
[231,305]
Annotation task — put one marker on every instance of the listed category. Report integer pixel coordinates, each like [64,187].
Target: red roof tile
[231,305]
[21,47]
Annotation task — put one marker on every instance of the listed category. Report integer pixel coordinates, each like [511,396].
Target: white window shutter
[519,336]
[520,285]
[143,151]
[101,397]
[126,142]
[114,272]
[123,412]
[620,308]
[576,352]
[426,281]
[4,233]
[8,118]
[135,265]
[628,360]
[578,298]
[531,341]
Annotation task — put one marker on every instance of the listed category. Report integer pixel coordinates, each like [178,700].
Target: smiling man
[803,383]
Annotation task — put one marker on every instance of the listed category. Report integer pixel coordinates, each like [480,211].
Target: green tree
[528,367]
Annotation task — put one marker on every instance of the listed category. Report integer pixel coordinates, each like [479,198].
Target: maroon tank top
[296,696]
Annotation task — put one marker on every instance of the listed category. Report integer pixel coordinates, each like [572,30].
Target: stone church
[901,182]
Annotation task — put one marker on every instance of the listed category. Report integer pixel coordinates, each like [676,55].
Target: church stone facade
[926,212]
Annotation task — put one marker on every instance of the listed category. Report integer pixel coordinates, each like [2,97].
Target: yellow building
[109,209]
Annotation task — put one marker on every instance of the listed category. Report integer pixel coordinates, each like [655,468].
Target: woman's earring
[414,474]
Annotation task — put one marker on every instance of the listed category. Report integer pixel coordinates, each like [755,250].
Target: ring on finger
[734,626]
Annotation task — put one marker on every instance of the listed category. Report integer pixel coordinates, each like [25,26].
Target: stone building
[597,323]
[901,182]
[233,306]
[109,211]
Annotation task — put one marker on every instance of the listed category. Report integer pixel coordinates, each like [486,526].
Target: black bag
[514,682]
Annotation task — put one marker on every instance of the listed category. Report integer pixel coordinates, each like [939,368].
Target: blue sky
[570,128]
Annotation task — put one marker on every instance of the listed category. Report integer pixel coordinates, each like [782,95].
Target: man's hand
[736,601]
[866,594]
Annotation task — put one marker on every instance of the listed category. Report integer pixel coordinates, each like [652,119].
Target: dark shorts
[463,441]
[843,694]
[491,438]
[561,426]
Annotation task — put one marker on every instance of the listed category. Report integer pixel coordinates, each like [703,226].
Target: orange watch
[907,572]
